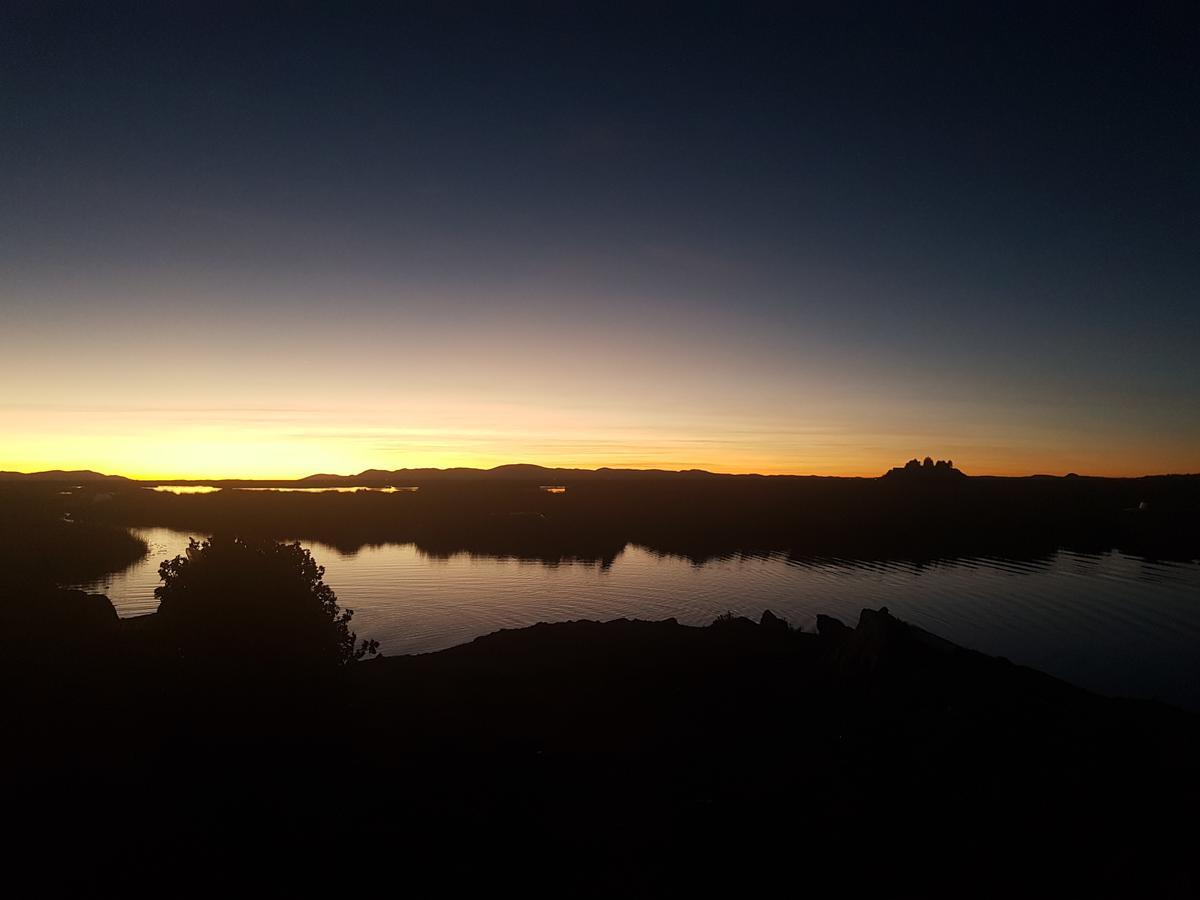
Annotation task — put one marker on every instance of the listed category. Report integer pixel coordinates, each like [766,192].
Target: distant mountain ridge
[914,471]
[62,475]
[508,471]
[401,477]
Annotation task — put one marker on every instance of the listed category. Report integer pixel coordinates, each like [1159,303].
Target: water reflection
[1115,623]
[209,489]
[185,489]
[334,490]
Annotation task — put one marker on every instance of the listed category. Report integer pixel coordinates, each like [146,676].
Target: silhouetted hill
[515,472]
[76,475]
[623,758]
[535,474]
[928,470]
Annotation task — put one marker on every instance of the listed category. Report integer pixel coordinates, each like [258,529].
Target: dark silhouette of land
[582,758]
[61,475]
[50,535]
[639,758]
[915,512]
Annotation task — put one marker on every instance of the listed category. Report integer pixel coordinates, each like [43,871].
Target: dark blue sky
[977,228]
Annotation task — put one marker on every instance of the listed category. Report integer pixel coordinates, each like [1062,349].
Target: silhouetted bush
[255,600]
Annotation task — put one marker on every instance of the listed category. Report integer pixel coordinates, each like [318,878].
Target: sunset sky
[254,244]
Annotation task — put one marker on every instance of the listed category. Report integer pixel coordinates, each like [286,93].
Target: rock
[828,626]
[85,611]
[772,621]
[34,618]
[732,625]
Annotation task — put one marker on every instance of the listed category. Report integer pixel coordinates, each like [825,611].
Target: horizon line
[162,479]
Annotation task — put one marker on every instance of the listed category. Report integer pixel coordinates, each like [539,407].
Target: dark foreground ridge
[621,758]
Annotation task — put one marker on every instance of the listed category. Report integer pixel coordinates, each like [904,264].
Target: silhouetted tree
[255,600]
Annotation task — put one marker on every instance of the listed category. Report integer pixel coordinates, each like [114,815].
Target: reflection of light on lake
[185,488]
[1111,622]
[208,489]
[333,490]
[553,488]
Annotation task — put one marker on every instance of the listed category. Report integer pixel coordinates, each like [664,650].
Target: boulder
[771,621]
[828,626]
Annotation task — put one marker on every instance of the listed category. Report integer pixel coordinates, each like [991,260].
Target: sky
[268,240]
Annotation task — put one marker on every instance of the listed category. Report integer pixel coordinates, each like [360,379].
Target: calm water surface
[1114,623]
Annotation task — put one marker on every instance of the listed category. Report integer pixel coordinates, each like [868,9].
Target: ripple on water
[1116,623]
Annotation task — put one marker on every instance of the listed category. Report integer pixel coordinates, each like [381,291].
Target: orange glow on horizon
[277,462]
[150,411]
[198,444]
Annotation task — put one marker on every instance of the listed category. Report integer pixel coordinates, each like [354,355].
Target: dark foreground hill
[599,759]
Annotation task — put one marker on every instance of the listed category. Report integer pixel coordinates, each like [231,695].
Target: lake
[1114,623]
